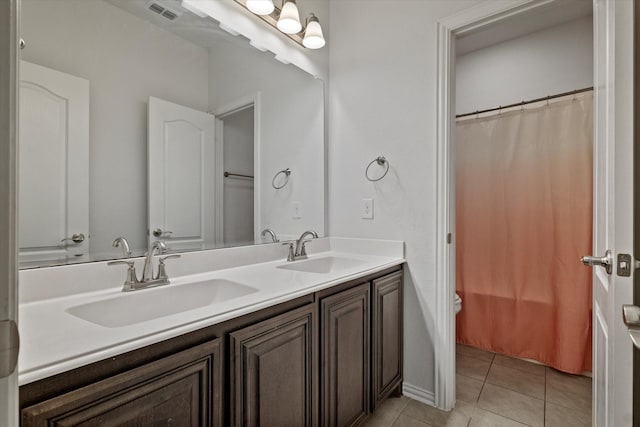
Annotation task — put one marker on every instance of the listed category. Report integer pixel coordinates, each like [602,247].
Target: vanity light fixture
[313,38]
[287,20]
[261,7]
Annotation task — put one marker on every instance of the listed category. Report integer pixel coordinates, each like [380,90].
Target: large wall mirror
[139,119]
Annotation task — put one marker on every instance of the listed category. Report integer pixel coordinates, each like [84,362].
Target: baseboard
[419,394]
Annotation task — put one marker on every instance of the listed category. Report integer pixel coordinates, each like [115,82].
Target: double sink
[141,306]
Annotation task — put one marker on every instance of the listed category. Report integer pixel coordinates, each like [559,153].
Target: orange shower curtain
[523,219]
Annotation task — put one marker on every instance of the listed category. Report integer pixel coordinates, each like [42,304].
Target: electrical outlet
[296,210]
[366,208]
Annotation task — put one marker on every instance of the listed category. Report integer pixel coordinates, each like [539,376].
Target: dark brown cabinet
[327,358]
[346,355]
[387,336]
[274,371]
[181,390]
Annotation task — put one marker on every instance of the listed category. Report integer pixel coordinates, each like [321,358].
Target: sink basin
[148,304]
[324,265]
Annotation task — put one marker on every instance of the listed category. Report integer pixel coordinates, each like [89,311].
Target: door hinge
[9,347]
[449,238]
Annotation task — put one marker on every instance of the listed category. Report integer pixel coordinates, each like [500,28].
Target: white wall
[556,60]
[291,133]
[126,59]
[238,192]
[382,102]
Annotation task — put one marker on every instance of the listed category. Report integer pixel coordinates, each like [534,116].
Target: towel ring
[286,172]
[380,160]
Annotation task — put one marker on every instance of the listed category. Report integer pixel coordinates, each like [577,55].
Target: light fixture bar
[272,19]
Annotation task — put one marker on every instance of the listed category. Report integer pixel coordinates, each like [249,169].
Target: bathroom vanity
[322,345]
[240,336]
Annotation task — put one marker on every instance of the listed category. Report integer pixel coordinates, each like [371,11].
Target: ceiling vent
[163,11]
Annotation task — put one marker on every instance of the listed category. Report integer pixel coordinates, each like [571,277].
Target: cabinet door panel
[274,371]
[345,357]
[387,335]
[182,390]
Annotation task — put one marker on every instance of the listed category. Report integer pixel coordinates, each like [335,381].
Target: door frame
[636,201]
[9,39]
[463,22]
[251,100]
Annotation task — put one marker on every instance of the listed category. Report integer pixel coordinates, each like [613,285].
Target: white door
[613,209]
[53,202]
[182,173]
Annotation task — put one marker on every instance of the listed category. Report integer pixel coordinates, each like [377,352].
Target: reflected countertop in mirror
[139,126]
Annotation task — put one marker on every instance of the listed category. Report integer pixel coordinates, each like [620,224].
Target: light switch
[366,208]
[296,210]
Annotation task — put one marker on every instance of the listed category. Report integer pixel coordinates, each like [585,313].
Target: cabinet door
[346,352]
[387,335]
[182,390]
[274,371]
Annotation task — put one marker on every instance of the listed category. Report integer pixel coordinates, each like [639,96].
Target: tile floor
[498,391]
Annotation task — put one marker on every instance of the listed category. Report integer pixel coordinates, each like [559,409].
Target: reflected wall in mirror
[139,147]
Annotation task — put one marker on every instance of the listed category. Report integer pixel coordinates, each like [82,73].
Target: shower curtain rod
[545,98]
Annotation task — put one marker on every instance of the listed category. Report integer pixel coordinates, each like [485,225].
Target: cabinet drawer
[182,390]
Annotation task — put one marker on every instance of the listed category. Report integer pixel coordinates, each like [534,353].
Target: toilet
[458,303]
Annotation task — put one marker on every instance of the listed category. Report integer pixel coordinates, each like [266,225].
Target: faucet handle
[303,248]
[162,272]
[132,278]
[292,253]
[129,263]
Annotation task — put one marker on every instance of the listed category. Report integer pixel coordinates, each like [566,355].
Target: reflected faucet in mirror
[122,242]
[271,233]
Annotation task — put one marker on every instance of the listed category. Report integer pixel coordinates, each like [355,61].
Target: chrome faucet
[122,242]
[147,271]
[301,251]
[148,280]
[274,237]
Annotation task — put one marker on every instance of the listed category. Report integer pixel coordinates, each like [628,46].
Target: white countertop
[55,341]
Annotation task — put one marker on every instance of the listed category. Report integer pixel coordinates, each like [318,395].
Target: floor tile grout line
[413,418]
[508,418]
[485,382]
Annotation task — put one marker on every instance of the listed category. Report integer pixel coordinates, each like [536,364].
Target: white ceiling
[538,19]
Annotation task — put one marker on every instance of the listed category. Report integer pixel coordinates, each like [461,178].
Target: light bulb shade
[313,38]
[289,21]
[260,7]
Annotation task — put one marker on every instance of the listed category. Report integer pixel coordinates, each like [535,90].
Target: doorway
[237,146]
[523,201]
[613,217]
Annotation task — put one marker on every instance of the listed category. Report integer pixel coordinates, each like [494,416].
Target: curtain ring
[286,172]
[380,160]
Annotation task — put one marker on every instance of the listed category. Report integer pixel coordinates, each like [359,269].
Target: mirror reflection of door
[182,176]
[238,188]
[53,164]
